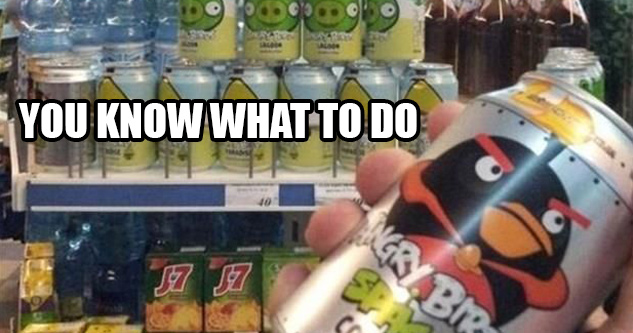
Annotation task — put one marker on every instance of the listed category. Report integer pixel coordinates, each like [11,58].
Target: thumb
[622,319]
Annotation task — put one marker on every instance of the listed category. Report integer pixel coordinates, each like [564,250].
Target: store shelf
[216,189]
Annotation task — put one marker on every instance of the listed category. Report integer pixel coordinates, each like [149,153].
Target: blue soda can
[303,81]
[128,80]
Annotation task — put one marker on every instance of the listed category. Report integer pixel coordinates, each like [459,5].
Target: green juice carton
[173,292]
[273,261]
[233,292]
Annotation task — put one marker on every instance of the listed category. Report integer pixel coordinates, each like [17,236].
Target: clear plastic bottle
[74,260]
[88,23]
[120,241]
[442,30]
[166,37]
[127,36]
[46,26]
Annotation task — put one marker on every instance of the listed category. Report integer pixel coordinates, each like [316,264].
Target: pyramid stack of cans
[267,55]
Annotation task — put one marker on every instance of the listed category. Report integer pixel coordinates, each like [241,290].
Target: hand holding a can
[376,175]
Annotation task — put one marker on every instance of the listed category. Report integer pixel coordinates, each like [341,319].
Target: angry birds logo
[381,15]
[331,15]
[271,15]
[201,14]
[494,216]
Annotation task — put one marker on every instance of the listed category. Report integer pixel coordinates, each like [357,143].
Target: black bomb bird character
[494,216]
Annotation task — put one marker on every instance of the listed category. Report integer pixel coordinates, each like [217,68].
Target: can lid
[560,67]
[117,66]
[430,66]
[181,64]
[65,69]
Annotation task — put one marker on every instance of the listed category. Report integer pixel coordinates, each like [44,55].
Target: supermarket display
[534,162]
[492,223]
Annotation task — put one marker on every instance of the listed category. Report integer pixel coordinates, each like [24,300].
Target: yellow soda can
[272,30]
[313,83]
[208,30]
[332,30]
[248,82]
[128,80]
[185,80]
[394,30]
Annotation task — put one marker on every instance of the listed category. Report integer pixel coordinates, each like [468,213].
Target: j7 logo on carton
[174,279]
[233,278]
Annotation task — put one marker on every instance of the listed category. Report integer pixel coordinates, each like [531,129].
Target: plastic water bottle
[126,37]
[88,23]
[166,38]
[73,267]
[120,241]
[44,32]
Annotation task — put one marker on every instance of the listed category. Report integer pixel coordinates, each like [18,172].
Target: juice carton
[233,292]
[274,260]
[173,292]
[37,294]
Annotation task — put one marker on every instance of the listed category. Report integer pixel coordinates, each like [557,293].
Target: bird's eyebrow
[493,150]
[571,213]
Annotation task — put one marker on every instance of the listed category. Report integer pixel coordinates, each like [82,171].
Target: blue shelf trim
[296,195]
[67,195]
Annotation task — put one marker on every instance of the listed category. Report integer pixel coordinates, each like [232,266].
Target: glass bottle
[561,23]
[442,29]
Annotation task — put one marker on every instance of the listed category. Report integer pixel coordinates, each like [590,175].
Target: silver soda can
[312,83]
[185,80]
[62,79]
[129,80]
[248,82]
[362,82]
[575,74]
[516,220]
[428,85]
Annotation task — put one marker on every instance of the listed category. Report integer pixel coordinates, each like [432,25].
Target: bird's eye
[553,221]
[388,10]
[213,8]
[307,10]
[293,9]
[249,8]
[352,10]
[488,170]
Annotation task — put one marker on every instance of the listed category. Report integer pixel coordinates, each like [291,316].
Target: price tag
[326,193]
[262,195]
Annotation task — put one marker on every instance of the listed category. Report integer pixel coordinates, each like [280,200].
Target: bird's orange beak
[514,232]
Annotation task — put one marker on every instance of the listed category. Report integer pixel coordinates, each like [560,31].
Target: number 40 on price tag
[254,195]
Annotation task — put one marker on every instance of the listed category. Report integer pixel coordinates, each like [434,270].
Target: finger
[377,172]
[288,280]
[441,117]
[622,319]
[330,224]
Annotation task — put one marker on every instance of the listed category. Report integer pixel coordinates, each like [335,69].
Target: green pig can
[248,82]
[394,30]
[313,83]
[128,80]
[187,81]
[272,30]
[332,30]
[208,30]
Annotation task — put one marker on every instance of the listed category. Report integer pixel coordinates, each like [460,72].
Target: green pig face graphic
[201,14]
[381,15]
[331,15]
[271,15]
